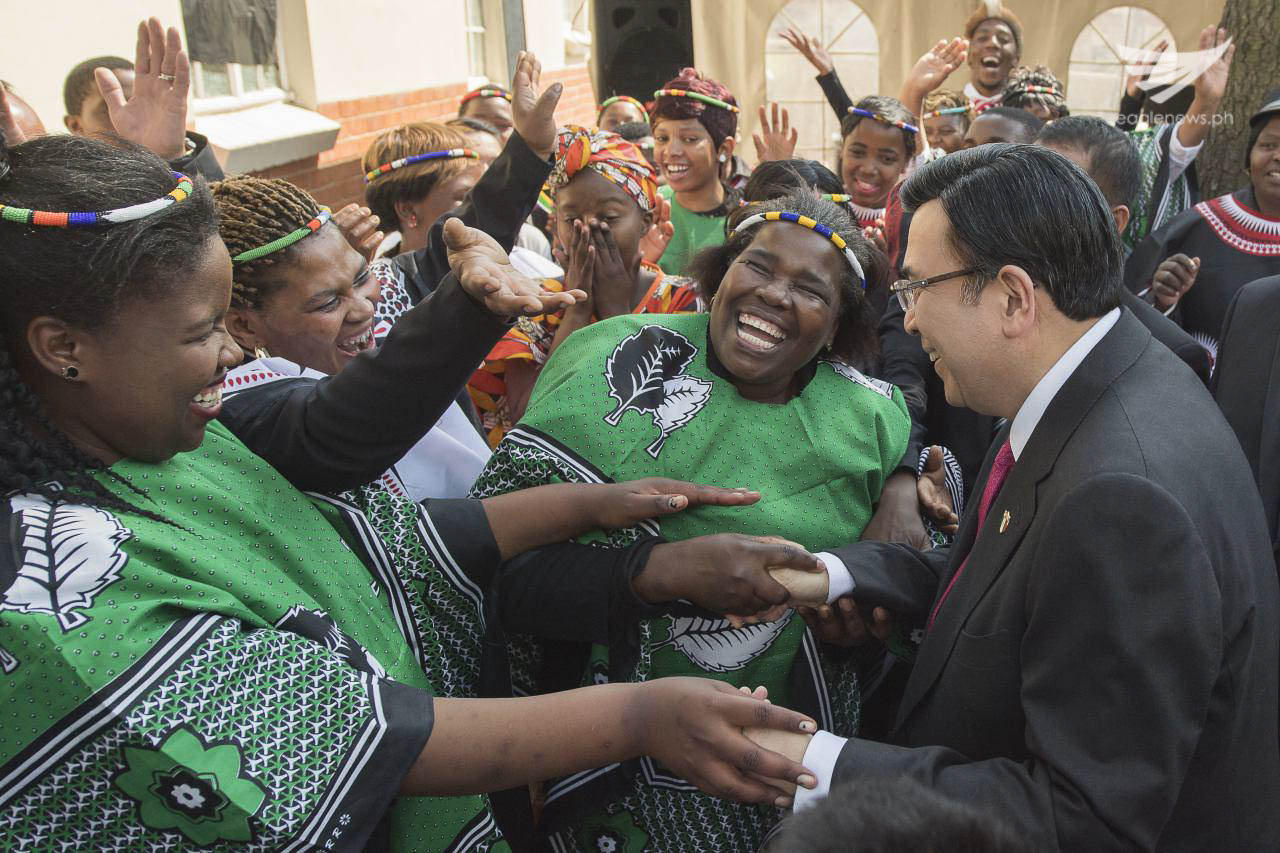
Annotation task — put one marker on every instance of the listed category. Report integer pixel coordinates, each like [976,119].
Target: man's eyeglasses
[907,291]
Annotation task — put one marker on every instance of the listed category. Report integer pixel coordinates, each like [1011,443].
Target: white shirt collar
[1032,409]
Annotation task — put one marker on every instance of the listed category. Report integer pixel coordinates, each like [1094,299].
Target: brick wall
[334,176]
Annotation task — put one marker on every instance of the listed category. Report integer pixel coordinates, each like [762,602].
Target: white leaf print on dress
[716,646]
[682,398]
[68,554]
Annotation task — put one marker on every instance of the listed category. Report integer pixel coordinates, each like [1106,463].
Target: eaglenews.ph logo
[1171,71]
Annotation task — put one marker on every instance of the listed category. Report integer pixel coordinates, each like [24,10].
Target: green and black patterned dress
[257,674]
[641,396]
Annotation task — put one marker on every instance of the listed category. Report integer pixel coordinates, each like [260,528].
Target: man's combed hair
[253,212]
[80,82]
[1114,163]
[855,340]
[1030,207]
[81,276]
[890,108]
[1029,126]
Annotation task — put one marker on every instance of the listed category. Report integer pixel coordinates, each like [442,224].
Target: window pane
[216,80]
[475,13]
[475,53]
[1095,77]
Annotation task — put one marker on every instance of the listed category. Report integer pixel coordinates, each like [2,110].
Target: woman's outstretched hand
[156,116]
[694,726]
[486,274]
[532,110]
[628,503]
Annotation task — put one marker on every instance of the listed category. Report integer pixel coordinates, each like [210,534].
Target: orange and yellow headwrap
[610,156]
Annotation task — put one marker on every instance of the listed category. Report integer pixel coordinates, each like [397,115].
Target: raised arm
[812,50]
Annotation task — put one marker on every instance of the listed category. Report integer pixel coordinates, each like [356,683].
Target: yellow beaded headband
[813,225]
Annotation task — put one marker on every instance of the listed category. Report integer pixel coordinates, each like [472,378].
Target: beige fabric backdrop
[729,37]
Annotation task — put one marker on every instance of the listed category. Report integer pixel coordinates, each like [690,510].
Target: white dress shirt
[823,750]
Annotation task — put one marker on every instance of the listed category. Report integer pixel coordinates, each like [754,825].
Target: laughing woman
[760,388]
[193,653]
[878,140]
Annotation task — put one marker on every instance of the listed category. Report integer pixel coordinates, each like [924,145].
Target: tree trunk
[1255,26]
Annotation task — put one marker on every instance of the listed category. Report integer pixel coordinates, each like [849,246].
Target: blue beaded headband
[813,225]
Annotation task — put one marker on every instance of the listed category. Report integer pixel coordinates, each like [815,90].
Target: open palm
[156,116]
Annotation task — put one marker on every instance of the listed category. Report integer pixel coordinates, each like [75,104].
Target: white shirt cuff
[820,759]
[839,581]
[1180,156]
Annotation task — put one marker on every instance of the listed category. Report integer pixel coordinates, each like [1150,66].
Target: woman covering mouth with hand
[694,122]
[761,389]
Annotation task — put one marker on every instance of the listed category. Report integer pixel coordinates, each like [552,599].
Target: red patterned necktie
[1000,469]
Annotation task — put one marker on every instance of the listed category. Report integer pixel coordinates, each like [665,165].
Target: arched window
[850,38]
[1095,78]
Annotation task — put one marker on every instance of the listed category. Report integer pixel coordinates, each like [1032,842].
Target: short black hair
[478,125]
[855,339]
[1027,123]
[890,108]
[80,82]
[773,178]
[1031,207]
[1114,163]
[634,131]
[894,815]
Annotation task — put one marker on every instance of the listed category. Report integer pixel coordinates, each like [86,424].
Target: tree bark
[1255,27]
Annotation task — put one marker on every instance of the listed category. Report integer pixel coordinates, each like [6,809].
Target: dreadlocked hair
[253,212]
[1031,86]
[82,276]
[855,340]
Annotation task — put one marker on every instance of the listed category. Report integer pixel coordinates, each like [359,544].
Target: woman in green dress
[194,652]
[760,389]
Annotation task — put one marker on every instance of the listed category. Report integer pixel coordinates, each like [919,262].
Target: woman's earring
[70,372]
[261,352]
[413,222]
[724,159]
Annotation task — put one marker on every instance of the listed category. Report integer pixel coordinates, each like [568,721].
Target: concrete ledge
[268,135]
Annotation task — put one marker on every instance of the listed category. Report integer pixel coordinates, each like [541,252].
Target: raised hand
[1142,70]
[1173,278]
[655,240]
[532,111]
[13,134]
[777,139]
[694,726]
[628,503]
[156,116]
[934,496]
[1211,85]
[486,274]
[811,48]
[726,573]
[932,69]
[360,227]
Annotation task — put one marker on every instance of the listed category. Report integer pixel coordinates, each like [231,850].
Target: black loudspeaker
[641,44]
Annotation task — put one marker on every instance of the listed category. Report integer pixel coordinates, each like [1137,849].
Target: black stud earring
[70,372]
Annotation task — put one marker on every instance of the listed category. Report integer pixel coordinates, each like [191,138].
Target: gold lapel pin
[1004,521]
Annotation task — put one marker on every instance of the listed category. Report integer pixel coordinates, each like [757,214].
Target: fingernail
[804,780]
[808,726]
[674,502]
[783,802]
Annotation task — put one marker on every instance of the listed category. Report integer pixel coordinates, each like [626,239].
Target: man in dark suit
[1099,662]
[1246,385]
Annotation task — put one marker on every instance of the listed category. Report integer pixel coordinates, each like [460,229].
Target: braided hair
[251,213]
[82,276]
[1036,86]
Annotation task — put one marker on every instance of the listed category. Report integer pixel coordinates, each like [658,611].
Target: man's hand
[1173,278]
[931,71]
[725,573]
[841,624]
[360,227]
[1142,70]
[618,505]
[935,497]
[897,516]
[655,240]
[695,726]
[156,116]
[777,139]
[811,48]
[13,134]
[533,114]
[486,274]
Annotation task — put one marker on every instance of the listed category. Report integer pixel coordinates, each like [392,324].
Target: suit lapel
[989,549]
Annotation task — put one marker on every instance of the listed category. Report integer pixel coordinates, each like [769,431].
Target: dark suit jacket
[1247,386]
[1103,673]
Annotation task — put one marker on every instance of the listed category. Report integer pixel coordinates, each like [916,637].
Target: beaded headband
[948,111]
[1041,90]
[486,92]
[884,119]
[545,202]
[25,216]
[623,99]
[838,198]
[287,240]
[813,225]
[418,158]
[696,96]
